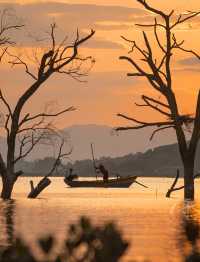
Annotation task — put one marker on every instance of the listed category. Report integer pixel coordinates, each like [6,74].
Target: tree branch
[157,37]
[190,51]
[160,129]
[2,98]
[156,101]
[150,8]
[155,107]
[181,19]
[5,27]
[43,115]
[18,61]
[142,124]
[33,141]
[141,72]
[58,159]
[2,167]
[196,130]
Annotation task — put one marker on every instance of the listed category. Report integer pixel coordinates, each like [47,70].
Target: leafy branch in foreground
[85,243]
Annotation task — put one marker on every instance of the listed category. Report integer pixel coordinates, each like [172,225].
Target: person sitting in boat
[71,176]
[101,169]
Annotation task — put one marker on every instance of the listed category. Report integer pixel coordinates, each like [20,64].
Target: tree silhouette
[60,57]
[8,22]
[158,73]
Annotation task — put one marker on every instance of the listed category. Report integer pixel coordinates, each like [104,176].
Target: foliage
[84,243]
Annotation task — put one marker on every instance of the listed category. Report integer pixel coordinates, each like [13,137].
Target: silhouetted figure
[118,176]
[71,176]
[101,169]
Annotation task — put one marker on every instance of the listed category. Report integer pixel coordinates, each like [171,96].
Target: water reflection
[190,235]
[141,222]
[7,212]
[84,242]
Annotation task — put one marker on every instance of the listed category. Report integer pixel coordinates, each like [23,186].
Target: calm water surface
[149,221]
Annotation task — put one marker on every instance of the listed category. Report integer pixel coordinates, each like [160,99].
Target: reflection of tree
[190,234]
[9,217]
[7,211]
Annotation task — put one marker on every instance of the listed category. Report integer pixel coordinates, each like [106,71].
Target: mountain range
[106,142]
[109,143]
[125,153]
[162,161]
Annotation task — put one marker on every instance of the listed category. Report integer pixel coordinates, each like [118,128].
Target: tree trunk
[173,188]
[35,191]
[7,187]
[189,180]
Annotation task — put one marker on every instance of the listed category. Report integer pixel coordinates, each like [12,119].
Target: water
[149,221]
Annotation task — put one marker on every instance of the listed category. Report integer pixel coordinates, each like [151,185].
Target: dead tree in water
[63,58]
[158,73]
[45,181]
[173,186]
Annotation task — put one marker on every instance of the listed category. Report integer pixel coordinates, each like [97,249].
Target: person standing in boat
[101,169]
[70,176]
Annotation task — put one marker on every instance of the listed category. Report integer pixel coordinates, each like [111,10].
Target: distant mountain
[162,161]
[106,142]
[111,144]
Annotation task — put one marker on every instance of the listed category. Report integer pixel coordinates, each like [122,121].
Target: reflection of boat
[117,182]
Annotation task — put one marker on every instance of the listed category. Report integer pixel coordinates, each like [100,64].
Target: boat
[122,182]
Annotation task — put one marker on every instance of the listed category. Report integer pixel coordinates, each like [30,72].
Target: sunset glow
[100,121]
[107,88]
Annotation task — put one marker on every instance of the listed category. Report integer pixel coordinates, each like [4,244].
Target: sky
[108,90]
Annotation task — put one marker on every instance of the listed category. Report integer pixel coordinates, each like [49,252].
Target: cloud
[113,25]
[110,80]
[38,16]
[99,84]
[83,15]
[191,61]
[190,64]
[100,43]
[188,69]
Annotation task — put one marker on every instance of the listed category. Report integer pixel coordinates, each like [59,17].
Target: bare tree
[57,140]
[158,73]
[9,22]
[60,58]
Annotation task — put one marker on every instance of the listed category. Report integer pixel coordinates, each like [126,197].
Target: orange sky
[108,91]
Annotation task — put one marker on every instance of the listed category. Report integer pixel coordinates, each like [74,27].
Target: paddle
[141,184]
[92,149]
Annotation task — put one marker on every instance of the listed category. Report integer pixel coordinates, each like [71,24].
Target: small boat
[122,182]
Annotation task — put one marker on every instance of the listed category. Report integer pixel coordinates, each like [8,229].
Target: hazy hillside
[106,142]
[126,153]
[111,144]
[162,161]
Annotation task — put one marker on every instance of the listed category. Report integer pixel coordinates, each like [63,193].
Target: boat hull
[111,183]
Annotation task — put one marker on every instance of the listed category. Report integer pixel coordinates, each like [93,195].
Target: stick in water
[141,184]
[92,149]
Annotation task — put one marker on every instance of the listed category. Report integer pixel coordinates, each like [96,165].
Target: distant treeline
[159,162]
